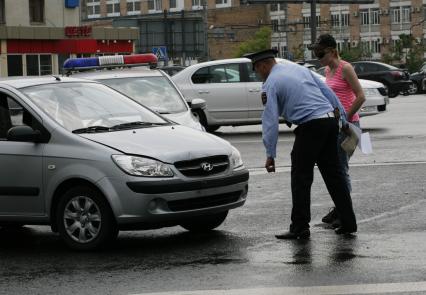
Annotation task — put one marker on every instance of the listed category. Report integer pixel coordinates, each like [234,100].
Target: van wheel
[85,220]
[204,223]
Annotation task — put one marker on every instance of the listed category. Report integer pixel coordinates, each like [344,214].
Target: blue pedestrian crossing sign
[160,52]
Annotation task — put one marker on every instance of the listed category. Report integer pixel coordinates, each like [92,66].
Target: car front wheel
[85,220]
[205,223]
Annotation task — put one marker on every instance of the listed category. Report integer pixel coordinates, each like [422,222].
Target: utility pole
[313,21]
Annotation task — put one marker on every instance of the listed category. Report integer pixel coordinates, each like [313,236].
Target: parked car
[171,70]
[396,80]
[419,79]
[89,161]
[232,92]
[146,85]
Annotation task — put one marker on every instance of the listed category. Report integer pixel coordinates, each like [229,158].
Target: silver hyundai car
[89,161]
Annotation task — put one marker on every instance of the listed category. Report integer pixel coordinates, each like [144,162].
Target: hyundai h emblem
[206,166]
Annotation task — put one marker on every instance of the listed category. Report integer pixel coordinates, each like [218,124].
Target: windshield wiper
[91,129]
[135,124]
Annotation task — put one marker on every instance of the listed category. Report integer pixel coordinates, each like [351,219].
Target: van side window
[12,114]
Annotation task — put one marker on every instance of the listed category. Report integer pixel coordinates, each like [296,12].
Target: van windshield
[157,93]
[81,105]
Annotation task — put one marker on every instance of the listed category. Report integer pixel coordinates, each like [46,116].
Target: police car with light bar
[136,77]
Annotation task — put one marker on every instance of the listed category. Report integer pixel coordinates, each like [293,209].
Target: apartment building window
[223,3]
[39,65]
[275,25]
[133,7]
[372,46]
[36,11]
[338,20]
[274,7]
[344,18]
[375,17]
[396,15]
[154,5]
[406,14]
[93,8]
[2,18]
[365,18]
[307,21]
[113,7]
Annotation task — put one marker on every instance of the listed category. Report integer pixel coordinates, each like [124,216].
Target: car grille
[203,166]
[204,202]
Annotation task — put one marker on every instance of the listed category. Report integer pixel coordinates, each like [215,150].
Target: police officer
[295,93]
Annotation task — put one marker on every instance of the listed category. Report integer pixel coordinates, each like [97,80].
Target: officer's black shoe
[331,216]
[303,234]
[344,231]
[336,223]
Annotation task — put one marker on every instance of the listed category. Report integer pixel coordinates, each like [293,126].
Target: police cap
[261,55]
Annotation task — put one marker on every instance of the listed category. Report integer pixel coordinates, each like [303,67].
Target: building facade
[36,36]
[189,30]
[373,27]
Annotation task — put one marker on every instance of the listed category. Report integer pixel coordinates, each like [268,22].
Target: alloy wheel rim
[82,219]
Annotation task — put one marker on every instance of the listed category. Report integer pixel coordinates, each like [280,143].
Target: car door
[21,181]
[254,92]
[222,88]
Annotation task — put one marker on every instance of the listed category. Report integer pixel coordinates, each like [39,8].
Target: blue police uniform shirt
[295,93]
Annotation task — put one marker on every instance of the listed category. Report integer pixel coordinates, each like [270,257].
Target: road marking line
[392,213]
[287,168]
[386,288]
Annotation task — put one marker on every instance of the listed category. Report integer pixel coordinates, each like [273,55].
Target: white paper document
[364,140]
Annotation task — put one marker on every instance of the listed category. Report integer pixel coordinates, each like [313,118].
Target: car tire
[205,223]
[414,88]
[85,220]
[201,116]
[393,93]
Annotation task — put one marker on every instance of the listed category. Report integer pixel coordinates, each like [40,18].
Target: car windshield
[91,106]
[157,93]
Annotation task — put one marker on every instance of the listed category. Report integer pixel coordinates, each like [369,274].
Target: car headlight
[236,160]
[371,92]
[141,166]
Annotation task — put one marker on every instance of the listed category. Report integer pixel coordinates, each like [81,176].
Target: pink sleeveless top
[342,88]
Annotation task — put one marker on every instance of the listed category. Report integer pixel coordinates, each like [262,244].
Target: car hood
[185,119]
[370,84]
[166,143]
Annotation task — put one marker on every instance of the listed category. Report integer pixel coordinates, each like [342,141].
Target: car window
[157,93]
[252,76]
[81,105]
[12,114]
[217,74]
[359,68]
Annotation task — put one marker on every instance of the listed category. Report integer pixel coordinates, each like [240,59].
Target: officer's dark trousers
[316,143]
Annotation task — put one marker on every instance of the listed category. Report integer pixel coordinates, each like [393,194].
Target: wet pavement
[243,256]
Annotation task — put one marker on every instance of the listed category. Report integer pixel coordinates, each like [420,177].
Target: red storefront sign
[68,46]
[82,31]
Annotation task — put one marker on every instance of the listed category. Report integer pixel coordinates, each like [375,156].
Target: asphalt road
[386,256]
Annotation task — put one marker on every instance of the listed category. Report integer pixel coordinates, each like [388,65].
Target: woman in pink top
[342,79]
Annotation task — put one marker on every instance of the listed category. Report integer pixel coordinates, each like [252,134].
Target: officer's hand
[270,165]
[336,112]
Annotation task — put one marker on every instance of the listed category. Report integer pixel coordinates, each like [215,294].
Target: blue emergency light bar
[110,60]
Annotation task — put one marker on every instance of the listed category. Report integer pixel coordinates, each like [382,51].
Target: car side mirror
[23,133]
[197,103]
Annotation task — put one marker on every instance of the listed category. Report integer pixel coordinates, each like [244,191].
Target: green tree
[260,41]
[355,53]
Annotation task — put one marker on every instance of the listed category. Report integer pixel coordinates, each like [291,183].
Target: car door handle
[254,90]
[203,91]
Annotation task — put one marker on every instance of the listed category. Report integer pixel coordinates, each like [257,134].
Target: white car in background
[232,92]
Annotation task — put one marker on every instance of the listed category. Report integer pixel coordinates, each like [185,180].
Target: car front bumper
[156,203]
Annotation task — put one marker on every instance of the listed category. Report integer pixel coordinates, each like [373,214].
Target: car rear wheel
[85,220]
[414,88]
[205,223]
